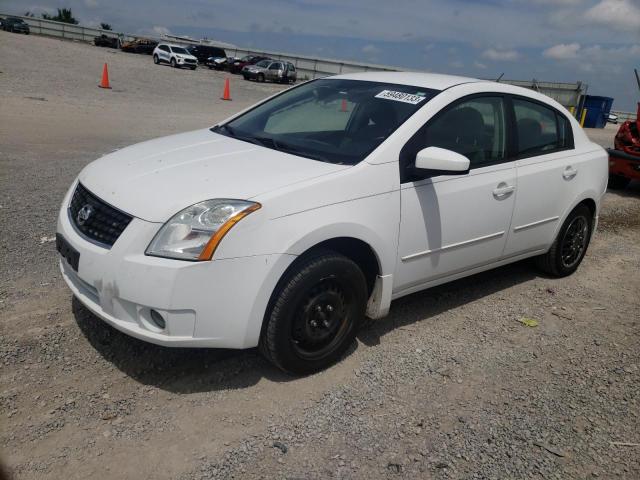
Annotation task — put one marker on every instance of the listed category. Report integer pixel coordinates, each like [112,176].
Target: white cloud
[562,51]
[558,2]
[91,3]
[501,55]
[596,52]
[456,64]
[479,65]
[370,49]
[160,30]
[623,14]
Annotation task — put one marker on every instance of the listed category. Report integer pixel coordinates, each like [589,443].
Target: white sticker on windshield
[400,97]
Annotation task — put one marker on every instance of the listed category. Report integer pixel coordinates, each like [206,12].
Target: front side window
[474,128]
[337,121]
[164,48]
[540,129]
[275,66]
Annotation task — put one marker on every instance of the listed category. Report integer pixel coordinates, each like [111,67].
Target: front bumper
[220,303]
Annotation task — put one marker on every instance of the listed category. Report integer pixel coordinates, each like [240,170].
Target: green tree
[64,15]
[105,26]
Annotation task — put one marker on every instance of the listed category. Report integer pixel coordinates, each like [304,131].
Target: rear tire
[618,182]
[314,313]
[570,246]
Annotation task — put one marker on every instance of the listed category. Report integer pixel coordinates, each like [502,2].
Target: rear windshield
[336,121]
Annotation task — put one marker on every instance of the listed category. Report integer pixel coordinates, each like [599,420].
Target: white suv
[286,224]
[174,55]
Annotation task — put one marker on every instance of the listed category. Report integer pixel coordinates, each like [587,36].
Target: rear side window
[540,130]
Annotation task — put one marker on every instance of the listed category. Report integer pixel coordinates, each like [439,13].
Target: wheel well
[358,251]
[590,204]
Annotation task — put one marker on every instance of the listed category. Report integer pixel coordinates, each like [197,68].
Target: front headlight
[195,232]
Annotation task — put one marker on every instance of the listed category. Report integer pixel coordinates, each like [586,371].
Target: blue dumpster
[598,109]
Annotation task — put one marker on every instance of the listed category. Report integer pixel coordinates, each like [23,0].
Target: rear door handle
[569,173]
[503,190]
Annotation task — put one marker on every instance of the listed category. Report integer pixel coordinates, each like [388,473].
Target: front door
[453,223]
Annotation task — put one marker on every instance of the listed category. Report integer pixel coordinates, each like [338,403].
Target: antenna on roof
[501,75]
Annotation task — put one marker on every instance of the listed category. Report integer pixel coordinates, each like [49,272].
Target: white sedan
[283,226]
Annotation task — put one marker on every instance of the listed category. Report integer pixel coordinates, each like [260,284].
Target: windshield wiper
[270,142]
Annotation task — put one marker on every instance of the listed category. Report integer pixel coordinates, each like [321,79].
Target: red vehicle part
[624,158]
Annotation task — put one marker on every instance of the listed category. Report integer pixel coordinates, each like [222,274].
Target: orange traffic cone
[226,95]
[343,106]
[105,78]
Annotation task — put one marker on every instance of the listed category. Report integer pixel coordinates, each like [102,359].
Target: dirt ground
[450,385]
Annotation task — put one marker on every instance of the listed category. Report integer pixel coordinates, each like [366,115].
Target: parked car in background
[207,55]
[239,64]
[612,118]
[139,45]
[271,70]
[16,25]
[283,226]
[106,41]
[174,55]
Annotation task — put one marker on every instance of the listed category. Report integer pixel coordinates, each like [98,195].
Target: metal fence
[65,30]
[625,116]
[571,95]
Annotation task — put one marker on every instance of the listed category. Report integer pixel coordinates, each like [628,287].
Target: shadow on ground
[192,370]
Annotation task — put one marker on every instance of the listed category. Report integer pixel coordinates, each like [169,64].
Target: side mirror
[441,161]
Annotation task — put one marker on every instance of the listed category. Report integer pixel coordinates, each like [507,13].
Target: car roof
[434,81]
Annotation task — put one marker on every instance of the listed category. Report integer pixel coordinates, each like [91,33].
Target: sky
[593,41]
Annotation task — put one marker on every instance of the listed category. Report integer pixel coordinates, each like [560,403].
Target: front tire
[570,246]
[261,77]
[156,60]
[314,313]
[173,63]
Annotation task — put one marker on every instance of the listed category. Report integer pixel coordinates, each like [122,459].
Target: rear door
[164,53]
[453,223]
[548,174]
[273,71]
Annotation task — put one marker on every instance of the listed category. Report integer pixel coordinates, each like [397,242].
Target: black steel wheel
[314,313]
[570,245]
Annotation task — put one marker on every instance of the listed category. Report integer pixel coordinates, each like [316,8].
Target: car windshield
[246,58]
[263,63]
[331,120]
[180,50]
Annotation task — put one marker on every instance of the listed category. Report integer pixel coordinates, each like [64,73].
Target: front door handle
[503,190]
[569,173]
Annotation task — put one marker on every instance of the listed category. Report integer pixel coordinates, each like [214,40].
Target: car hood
[154,180]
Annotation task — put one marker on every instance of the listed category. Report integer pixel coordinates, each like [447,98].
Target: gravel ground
[450,385]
